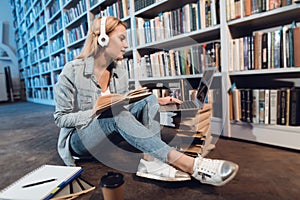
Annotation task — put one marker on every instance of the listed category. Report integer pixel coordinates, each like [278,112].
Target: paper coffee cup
[112,185]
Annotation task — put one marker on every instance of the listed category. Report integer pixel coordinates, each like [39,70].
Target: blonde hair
[91,46]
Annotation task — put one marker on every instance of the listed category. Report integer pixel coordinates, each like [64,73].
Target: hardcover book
[296,40]
[294,107]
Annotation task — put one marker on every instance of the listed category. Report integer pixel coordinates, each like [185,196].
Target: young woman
[94,74]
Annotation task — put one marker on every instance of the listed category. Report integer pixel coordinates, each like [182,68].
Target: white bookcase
[43,34]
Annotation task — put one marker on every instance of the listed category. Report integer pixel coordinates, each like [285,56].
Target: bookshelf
[272,76]
[50,33]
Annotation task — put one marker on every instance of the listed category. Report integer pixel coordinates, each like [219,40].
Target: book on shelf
[187,60]
[266,106]
[255,106]
[42,183]
[236,101]
[243,8]
[189,17]
[296,40]
[294,115]
[273,106]
[243,104]
[282,106]
[266,49]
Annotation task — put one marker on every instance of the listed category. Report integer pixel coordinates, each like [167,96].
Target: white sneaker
[159,170]
[214,172]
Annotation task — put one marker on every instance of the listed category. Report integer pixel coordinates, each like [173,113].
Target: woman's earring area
[103,39]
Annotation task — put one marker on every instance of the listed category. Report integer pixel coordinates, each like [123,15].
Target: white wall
[7,17]
[7,39]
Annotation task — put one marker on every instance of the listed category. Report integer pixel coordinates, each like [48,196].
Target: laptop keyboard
[187,104]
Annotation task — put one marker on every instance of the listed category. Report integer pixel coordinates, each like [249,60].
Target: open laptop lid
[204,84]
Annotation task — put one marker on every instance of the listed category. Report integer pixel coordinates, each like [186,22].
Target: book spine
[281,114]
[243,105]
[264,51]
[273,106]
[267,108]
[261,106]
[249,105]
[296,41]
[294,107]
[255,106]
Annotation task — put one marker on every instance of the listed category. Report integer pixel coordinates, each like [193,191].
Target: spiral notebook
[41,183]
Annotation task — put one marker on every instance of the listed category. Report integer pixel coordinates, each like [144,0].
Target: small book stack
[190,131]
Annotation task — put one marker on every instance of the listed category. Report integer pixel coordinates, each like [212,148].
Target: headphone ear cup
[103,40]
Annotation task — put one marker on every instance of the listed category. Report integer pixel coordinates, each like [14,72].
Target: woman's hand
[167,100]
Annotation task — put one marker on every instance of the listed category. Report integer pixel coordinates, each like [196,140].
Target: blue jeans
[138,125]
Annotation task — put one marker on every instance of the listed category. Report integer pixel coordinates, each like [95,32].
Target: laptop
[201,94]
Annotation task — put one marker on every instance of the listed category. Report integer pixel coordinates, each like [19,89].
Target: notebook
[41,183]
[201,94]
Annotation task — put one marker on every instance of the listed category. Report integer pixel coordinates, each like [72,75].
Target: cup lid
[111,180]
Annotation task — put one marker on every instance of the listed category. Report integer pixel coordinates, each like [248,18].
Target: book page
[105,102]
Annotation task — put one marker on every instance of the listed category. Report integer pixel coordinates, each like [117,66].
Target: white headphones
[103,39]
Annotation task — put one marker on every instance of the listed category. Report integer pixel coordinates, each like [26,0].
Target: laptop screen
[204,84]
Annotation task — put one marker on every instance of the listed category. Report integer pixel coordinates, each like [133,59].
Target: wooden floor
[29,136]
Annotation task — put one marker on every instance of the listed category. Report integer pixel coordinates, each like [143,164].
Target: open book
[108,101]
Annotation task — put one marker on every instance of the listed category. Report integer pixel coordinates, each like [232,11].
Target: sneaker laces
[206,166]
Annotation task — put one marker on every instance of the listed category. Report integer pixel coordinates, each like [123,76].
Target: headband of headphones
[103,39]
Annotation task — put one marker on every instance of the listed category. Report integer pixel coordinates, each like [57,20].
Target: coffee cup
[112,186]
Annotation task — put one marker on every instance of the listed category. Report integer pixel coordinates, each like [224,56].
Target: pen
[39,183]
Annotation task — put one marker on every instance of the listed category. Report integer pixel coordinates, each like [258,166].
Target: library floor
[28,140]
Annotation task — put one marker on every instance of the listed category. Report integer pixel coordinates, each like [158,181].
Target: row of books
[31,32]
[41,94]
[41,38]
[266,106]
[190,17]
[183,61]
[58,61]
[29,18]
[120,9]
[140,4]
[37,8]
[40,81]
[53,9]
[57,44]
[73,53]
[277,48]
[32,44]
[40,22]
[242,8]
[77,33]
[55,26]
[74,12]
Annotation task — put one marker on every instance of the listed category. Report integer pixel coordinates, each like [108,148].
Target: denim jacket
[75,94]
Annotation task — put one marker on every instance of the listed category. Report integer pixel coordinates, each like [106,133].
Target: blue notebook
[42,183]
